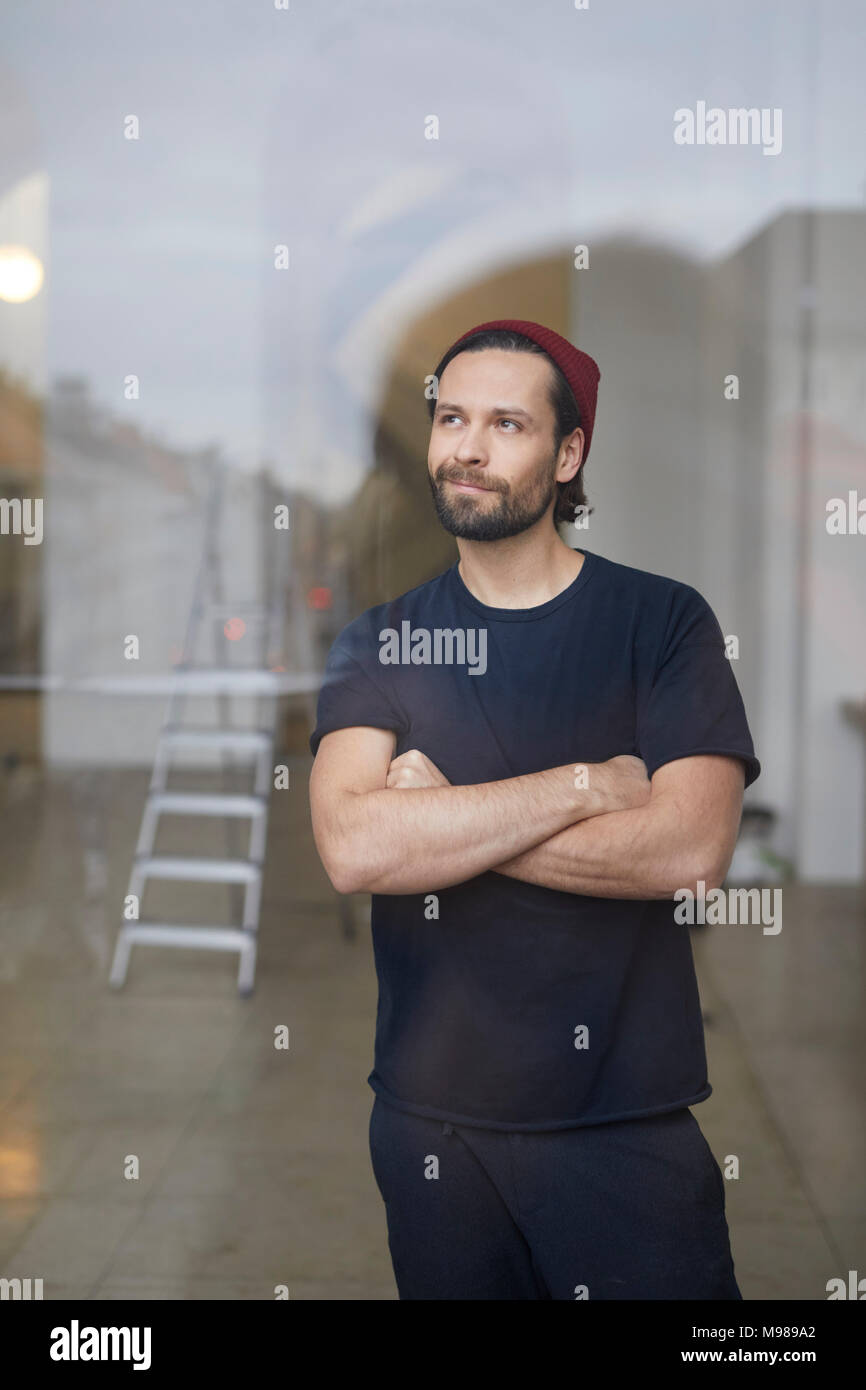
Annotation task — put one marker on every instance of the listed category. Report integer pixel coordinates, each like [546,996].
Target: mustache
[446,475]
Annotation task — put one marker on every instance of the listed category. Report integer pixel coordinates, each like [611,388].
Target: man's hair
[565,409]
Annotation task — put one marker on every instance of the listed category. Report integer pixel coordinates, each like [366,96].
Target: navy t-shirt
[482,1009]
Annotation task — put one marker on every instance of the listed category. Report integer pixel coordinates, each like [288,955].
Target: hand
[626,783]
[414,769]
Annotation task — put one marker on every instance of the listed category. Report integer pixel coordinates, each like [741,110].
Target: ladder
[242,872]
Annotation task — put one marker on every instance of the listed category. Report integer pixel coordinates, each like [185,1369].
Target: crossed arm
[396,825]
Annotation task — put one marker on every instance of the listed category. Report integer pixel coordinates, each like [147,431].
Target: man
[523,760]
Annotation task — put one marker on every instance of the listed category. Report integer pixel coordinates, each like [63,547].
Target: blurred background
[234,241]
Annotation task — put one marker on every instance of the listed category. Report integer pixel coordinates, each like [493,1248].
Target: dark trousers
[629,1210]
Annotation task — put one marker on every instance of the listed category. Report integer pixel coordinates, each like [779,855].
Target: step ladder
[241,871]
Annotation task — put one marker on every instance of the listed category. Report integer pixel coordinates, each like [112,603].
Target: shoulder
[362,633]
[667,611]
[648,588]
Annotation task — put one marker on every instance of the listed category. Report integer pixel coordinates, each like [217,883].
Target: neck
[520,572]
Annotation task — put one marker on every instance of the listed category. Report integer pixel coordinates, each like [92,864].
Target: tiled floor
[253,1167]
[785,1047]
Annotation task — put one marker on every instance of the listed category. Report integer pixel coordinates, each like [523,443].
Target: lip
[467,487]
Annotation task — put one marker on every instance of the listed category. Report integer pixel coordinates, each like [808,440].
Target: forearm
[413,840]
[644,853]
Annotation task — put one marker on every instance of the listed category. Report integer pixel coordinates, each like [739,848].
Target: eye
[510,422]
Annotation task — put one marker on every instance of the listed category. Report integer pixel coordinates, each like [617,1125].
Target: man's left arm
[685,833]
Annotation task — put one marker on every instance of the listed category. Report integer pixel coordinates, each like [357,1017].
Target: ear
[571,456]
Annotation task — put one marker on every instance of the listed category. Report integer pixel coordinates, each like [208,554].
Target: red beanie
[579,369]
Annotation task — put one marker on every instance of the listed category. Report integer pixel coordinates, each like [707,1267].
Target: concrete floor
[254,1168]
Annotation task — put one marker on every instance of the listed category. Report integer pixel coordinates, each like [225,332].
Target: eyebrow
[494,409]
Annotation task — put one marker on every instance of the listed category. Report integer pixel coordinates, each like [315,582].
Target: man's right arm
[377,839]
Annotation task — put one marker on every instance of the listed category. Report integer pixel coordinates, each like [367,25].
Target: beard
[504,513]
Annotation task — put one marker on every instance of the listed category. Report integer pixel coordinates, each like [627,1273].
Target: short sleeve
[694,704]
[350,693]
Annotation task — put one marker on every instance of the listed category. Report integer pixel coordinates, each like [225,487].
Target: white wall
[706,490]
[122,546]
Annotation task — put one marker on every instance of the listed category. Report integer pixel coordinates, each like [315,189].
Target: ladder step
[185,934]
[224,680]
[207,804]
[239,740]
[178,866]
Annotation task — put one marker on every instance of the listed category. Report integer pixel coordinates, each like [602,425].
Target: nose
[470,449]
